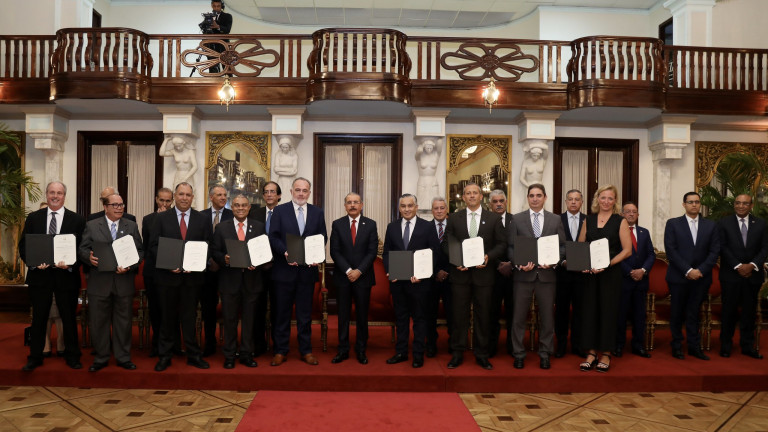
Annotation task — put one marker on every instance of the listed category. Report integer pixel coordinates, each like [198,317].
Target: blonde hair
[616,204]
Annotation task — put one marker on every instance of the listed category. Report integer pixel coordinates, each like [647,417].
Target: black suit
[439,290]
[45,284]
[260,337]
[240,288]
[209,297]
[633,293]
[179,292]
[101,214]
[739,291]
[502,292]
[357,256]
[224,20]
[568,295]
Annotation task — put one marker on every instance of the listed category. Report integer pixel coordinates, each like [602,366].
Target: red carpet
[356,412]
[628,374]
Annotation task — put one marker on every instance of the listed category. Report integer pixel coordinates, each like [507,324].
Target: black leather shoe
[248,361]
[74,364]
[418,362]
[198,362]
[229,363]
[698,354]
[618,352]
[752,353]
[397,358]
[340,357]
[31,365]
[641,352]
[163,364]
[544,363]
[431,351]
[519,363]
[362,358]
[127,365]
[725,353]
[455,361]
[484,363]
[97,367]
[678,354]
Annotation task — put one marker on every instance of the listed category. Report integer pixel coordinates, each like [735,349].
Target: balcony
[386,65]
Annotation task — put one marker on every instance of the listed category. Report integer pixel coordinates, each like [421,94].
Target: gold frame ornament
[238,160]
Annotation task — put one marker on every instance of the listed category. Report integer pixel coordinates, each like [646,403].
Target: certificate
[259,250]
[549,250]
[422,264]
[314,249]
[195,256]
[406,264]
[599,253]
[125,251]
[65,249]
[472,252]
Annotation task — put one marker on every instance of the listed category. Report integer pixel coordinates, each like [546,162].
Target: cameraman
[221,24]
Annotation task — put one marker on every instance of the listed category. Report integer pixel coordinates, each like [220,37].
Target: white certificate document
[126,254]
[473,252]
[64,249]
[548,250]
[422,264]
[600,254]
[259,250]
[314,249]
[195,256]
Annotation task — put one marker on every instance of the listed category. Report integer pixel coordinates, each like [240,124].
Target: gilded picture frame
[489,165]
[239,161]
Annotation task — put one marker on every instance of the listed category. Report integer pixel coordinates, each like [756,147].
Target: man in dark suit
[743,252]
[110,293]
[53,279]
[409,297]
[296,282]
[209,298]
[354,244]
[240,287]
[568,291]
[634,288]
[535,280]
[107,191]
[502,288]
[692,244]
[222,24]
[441,286]
[473,287]
[179,290]
[271,193]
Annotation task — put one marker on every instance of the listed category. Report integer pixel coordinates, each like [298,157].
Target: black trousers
[685,308]
[742,294]
[179,305]
[267,296]
[479,297]
[410,301]
[362,297]
[239,303]
[437,291]
[502,294]
[567,308]
[41,297]
[209,301]
[632,307]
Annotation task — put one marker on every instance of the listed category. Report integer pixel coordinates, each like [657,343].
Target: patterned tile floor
[61,409]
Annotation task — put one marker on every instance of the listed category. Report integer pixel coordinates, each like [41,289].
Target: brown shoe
[309,359]
[278,359]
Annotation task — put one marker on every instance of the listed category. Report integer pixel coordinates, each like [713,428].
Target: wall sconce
[226,93]
[490,95]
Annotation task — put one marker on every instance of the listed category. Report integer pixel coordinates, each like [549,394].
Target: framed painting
[239,161]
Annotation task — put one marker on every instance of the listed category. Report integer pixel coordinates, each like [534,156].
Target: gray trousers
[111,312]
[545,297]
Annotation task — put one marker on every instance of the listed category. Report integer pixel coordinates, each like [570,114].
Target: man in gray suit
[532,279]
[110,293]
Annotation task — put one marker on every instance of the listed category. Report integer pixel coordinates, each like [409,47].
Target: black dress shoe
[97,367]
[397,358]
[248,361]
[229,363]
[431,351]
[362,358]
[455,361]
[163,364]
[484,363]
[127,365]
[74,364]
[752,353]
[698,354]
[340,357]
[418,362]
[31,365]
[544,363]
[519,363]
[618,352]
[641,352]
[678,354]
[198,362]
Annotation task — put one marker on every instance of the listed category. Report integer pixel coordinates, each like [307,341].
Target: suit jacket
[36,223]
[508,222]
[230,278]
[100,283]
[566,225]
[225,23]
[643,257]
[146,234]
[552,225]
[359,256]
[102,215]
[684,255]
[226,214]
[494,244]
[284,222]
[167,225]
[733,252]
[442,262]
[423,236]
[258,213]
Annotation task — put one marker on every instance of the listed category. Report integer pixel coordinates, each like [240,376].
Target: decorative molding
[474,57]
[709,154]
[499,144]
[256,141]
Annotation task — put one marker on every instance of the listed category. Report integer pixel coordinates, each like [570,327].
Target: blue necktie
[406,234]
[113,231]
[300,220]
[269,217]
[536,226]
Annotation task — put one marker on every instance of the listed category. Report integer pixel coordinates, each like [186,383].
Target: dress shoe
[484,363]
[397,358]
[544,363]
[248,361]
[431,351]
[678,354]
[97,367]
[310,359]
[752,353]
[340,357]
[198,362]
[519,363]
[455,361]
[74,364]
[278,359]
[31,365]
[618,352]
[418,362]
[209,350]
[725,353]
[128,365]
[698,354]
[641,352]
[229,363]
[362,358]
[163,364]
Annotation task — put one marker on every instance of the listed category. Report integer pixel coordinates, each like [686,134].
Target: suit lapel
[104,228]
[528,223]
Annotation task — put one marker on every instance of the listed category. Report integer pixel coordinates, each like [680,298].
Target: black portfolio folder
[577,256]
[170,253]
[107,261]
[295,245]
[526,250]
[400,265]
[238,253]
[39,249]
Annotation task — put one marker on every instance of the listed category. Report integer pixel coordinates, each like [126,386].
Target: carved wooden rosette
[709,155]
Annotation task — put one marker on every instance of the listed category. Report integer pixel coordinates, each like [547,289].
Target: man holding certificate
[473,278]
[535,278]
[294,282]
[240,282]
[55,278]
[112,247]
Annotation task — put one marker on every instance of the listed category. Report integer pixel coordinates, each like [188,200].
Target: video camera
[208,18]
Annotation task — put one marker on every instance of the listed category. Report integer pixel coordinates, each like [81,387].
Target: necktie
[634,239]
[440,231]
[536,226]
[113,231]
[183,227]
[52,227]
[354,231]
[473,225]
[269,216]
[216,218]
[240,232]
[694,231]
[406,234]
[300,220]
[574,228]
[744,231]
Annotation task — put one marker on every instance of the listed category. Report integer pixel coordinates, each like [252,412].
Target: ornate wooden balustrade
[380,64]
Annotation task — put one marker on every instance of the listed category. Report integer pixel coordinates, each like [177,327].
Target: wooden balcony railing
[26,56]
[717,68]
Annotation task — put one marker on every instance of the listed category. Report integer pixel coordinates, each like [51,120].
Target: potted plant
[737,173]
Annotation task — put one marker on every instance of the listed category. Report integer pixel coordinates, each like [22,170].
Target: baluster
[429,60]
[743,73]
[107,41]
[612,48]
[88,54]
[355,65]
[326,48]
[135,47]
[24,57]
[290,58]
[97,50]
[298,58]
[559,55]
[700,69]
[750,72]
[733,72]
[335,52]
[583,56]
[759,72]
[160,57]
[79,51]
[33,72]
[15,71]
[392,54]
[282,56]
[124,62]
[177,57]
[374,55]
[344,53]
[602,46]
[541,58]
[419,57]
[437,61]
[635,61]
[383,58]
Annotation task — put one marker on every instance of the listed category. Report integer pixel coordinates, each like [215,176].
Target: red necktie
[240,232]
[354,232]
[634,239]
[183,227]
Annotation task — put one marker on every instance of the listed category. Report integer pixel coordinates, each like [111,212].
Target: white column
[48,128]
[530,158]
[692,21]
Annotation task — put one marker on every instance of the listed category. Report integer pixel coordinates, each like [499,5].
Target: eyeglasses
[693,202]
[269,192]
[240,205]
[116,205]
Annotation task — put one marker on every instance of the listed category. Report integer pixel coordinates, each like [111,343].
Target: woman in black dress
[602,288]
